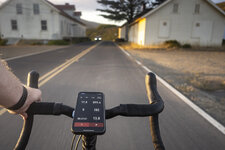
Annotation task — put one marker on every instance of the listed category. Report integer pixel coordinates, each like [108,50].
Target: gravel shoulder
[200,75]
[14,51]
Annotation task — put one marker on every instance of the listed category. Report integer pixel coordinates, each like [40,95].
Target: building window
[175,8]
[19,9]
[44,25]
[197,8]
[14,25]
[36,9]
[164,23]
[197,24]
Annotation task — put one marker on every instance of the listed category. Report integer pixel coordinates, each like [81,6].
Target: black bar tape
[21,102]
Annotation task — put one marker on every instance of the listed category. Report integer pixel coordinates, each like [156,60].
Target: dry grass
[199,73]
[130,46]
[207,83]
[205,69]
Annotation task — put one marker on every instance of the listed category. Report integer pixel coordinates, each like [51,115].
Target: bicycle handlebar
[130,110]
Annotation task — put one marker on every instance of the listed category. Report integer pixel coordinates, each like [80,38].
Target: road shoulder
[13,52]
[206,105]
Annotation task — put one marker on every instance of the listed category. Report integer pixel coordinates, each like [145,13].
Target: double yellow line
[48,76]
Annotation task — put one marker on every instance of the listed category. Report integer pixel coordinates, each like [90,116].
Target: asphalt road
[106,69]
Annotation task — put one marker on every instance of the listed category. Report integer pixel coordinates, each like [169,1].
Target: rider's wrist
[21,101]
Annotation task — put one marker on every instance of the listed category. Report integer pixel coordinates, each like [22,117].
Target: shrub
[37,43]
[80,39]
[3,42]
[172,44]
[186,46]
[58,42]
[120,40]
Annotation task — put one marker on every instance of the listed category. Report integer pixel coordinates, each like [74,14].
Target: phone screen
[89,117]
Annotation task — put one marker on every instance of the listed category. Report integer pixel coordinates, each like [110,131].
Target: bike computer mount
[89,116]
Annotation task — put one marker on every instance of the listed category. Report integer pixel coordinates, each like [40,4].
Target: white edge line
[35,53]
[138,62]
[205,115]
[123,50]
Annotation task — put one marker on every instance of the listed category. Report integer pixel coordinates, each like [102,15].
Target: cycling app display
[89,115]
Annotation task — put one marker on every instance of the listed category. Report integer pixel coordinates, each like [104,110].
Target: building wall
[205,28]
[69,28]
[29,24]
[79,30]
[122,32]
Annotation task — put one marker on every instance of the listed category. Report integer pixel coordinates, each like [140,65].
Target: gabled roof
[151,11]
[221,5]
[60,11]
[216,7]
[168,1]
[146,13]
[64,14]
[157,8]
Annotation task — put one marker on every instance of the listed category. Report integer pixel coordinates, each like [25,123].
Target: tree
[120,10]
[157,2]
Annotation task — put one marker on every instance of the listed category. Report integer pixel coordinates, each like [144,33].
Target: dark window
[14,25]
[175,8]
[197,8]
[197,24]
[36,9]
[44,25]
[19,9]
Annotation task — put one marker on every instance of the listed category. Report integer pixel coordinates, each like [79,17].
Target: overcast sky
[88,8]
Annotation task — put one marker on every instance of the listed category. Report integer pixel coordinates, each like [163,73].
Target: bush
[186,46]
[120,40]
[37,43]
[80,39]
[58,42]
[3,42]
[172,44]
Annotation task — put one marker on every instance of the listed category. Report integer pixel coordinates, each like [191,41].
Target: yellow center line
[48,76]
[67,62]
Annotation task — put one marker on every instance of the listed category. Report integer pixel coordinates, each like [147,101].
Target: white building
[196,22]
[222,6]
[37,19]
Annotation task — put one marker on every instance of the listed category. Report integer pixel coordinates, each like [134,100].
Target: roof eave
[5,3]
[156,9]
[149,13]
[61,12]
[216,7]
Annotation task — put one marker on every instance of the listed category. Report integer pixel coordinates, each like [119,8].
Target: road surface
[107,69]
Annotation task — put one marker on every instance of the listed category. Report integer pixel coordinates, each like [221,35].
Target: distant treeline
[107,32]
